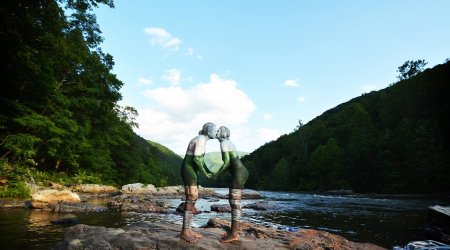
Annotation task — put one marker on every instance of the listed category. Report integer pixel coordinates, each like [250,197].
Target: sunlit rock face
[53,196]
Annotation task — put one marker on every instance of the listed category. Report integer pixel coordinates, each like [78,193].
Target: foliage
[410,69]
[59,100]
[390,141]
[13,181]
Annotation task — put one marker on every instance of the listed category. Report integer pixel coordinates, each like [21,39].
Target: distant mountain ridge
[394,140]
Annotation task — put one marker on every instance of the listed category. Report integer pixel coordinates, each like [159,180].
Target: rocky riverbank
[164,235]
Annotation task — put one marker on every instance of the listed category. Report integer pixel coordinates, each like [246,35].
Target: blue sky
[258,67]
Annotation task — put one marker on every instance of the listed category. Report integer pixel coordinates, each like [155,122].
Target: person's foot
[227,238]
[189,238]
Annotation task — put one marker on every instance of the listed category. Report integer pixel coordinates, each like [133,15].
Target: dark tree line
[395,140]
[58,101]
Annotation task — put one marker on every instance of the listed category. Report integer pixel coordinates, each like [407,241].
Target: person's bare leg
[186,233]
[235,202]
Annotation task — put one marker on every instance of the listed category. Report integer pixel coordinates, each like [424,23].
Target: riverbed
[385,221]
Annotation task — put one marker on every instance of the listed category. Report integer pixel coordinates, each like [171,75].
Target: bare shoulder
[227,146]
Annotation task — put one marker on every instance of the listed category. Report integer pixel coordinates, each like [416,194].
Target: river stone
[260,206]
[138,188]
[54,196]
[221,208]
[94,189]
[138,203]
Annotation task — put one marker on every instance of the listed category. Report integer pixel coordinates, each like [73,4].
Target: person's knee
[235,203]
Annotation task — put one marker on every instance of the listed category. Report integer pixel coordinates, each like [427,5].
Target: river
[385,221]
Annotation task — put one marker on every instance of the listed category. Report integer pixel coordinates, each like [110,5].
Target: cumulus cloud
[268,134]
[291,83]
[190,52]
[173,76]
[160,37]
[267,117]
[144,81]
[301,99]
[177,114]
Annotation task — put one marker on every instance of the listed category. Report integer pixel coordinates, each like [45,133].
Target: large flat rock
[164,235]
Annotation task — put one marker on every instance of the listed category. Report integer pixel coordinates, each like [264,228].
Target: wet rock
[315,239]
[180,209]
[69,207]
[94,189]
[70,221]
[221,208]
[138,203]
[302,239]
[260,206]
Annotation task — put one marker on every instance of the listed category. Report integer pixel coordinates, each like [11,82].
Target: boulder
[260,206]
[221,208]
[138,203]
[170,190]
[94,189]
[180,209]
[49,196]
[63,201]
[138,188]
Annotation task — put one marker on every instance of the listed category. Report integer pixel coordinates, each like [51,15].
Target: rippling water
[382,221]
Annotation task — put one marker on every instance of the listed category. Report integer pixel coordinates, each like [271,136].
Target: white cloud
[291,83]
[267,117]
[268,134]
[160,37]
[173,76]
[144,81]
[177,114]
[301,99]
[368,88]
[190,52]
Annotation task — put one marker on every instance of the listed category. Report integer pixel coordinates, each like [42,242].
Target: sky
[260,66]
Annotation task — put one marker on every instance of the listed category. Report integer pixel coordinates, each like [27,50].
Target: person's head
[209,129]
[223,133]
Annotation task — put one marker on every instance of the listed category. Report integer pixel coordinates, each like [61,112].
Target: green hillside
[395,140]
[59,112]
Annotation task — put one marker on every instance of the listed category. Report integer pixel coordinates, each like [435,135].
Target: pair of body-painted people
[194,162]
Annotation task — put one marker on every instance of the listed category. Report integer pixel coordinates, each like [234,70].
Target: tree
[410,69]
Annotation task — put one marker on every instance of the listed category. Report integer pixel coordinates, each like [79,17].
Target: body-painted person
[193,163]
[239,173]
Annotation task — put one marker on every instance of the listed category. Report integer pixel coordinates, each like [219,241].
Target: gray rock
[164,235]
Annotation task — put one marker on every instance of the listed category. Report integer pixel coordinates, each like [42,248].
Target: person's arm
[199,160]
[226,164]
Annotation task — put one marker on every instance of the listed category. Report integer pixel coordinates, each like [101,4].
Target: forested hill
[395,140]
[59,109]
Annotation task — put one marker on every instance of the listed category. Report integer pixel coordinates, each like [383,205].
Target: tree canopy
[393,140]
[59,99]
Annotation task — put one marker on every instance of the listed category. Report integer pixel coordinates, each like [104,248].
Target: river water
[385,221]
